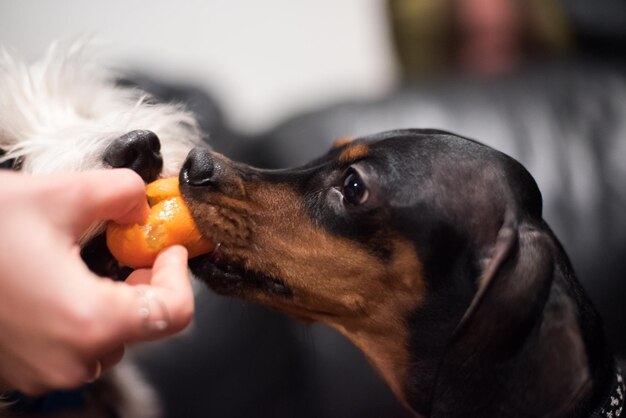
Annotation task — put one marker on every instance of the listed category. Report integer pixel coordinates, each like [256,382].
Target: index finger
[117,195]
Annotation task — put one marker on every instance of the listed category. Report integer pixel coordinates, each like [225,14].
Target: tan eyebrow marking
[353,153]
[344,140]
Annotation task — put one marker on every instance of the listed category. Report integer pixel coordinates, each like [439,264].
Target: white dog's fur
[59,114]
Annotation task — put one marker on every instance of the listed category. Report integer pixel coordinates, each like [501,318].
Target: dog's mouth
[227,276]
[224,276]
[100,261]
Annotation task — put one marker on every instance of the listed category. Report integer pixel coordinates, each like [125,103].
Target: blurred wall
[262,59]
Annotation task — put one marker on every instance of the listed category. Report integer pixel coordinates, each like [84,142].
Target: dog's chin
[100,261]
[229,278]
[221,275]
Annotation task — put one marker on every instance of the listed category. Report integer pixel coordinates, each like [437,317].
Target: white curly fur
[60,112]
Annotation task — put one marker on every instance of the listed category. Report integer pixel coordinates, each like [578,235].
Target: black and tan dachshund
[429,252]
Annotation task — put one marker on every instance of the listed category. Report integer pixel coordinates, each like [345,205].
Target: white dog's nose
[138,150]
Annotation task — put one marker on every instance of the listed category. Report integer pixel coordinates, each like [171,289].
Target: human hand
[60,323]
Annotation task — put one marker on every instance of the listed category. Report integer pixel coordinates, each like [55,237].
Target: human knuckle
[76,193]
[84,330]
[53,190]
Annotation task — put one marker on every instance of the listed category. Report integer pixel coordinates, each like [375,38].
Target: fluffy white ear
[60,112]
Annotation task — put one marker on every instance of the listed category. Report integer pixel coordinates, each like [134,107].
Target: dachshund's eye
[354,189]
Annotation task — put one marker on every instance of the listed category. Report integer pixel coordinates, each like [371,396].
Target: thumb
[159,307]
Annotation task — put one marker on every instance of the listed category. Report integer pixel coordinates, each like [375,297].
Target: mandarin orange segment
[162,189]
[169,223]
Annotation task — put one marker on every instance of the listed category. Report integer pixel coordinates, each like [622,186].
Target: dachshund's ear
[505,351]
[512,290]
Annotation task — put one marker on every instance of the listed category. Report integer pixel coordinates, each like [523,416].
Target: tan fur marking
[342,141]
[382,334]
[353,153]
[334,279]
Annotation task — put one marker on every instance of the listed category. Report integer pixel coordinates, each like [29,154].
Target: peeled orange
[169,223]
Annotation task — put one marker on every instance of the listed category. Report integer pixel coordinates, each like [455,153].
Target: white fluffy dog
[62,113]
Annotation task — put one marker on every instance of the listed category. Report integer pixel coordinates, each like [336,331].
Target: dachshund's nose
[199,168]
[138,150]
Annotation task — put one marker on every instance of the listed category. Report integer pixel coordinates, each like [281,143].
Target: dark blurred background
[542,80]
